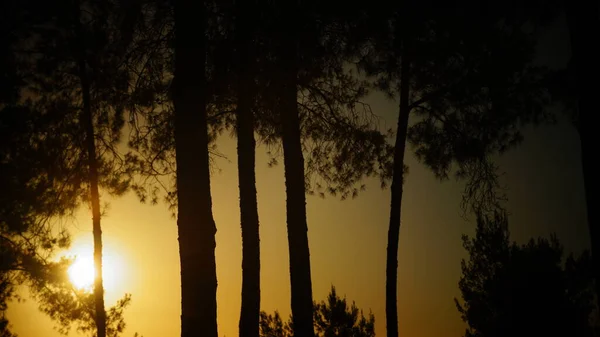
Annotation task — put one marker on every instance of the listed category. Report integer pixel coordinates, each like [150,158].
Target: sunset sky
[347,238]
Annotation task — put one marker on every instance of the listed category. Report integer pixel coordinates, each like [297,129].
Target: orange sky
[347,240]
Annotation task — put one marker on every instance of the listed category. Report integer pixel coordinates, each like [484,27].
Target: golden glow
[347,240]
[81,272]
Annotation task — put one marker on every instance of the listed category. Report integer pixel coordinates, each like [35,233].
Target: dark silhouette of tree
[158,154]
[338,132]
[92,73]
[41,187]
[583,22]
[87,124]
[195,223]
[288,38]
[151,160]
[246,152]
[328,137]
[485,90]
[332,318]
[523,290]
[338,137]
[465,73]
[335,318]
[38,180]
[71,110]
[273,326]
[36,190]
[402,41]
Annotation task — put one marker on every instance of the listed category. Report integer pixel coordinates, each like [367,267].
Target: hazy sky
[347,238]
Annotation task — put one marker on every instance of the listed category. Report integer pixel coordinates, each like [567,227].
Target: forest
[332,116]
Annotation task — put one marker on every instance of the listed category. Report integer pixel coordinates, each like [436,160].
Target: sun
[82,273]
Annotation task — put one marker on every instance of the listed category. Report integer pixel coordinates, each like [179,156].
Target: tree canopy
[511,289]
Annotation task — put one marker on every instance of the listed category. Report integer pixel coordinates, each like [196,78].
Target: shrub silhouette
[331,318]
[523,290]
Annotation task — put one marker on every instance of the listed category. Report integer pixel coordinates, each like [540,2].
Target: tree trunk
[195,223]
[391,282]
[87,125]
[584,25]
[246,148]
[300,276]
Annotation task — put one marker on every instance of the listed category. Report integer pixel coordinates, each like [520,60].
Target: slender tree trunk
[246,148]
[195,223]
[299,252]
[87,125]
[584,26]
[391,281]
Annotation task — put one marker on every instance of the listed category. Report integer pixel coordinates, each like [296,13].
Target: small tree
[273,326]
[332,318]
[523,290]
[335,318]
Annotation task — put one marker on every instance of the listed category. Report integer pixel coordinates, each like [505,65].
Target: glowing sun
[82,272]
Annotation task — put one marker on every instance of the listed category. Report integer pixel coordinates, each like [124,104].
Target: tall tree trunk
[584,27]
[300,276]
[87,125]
[195,223]
[391,281]
[246,148]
